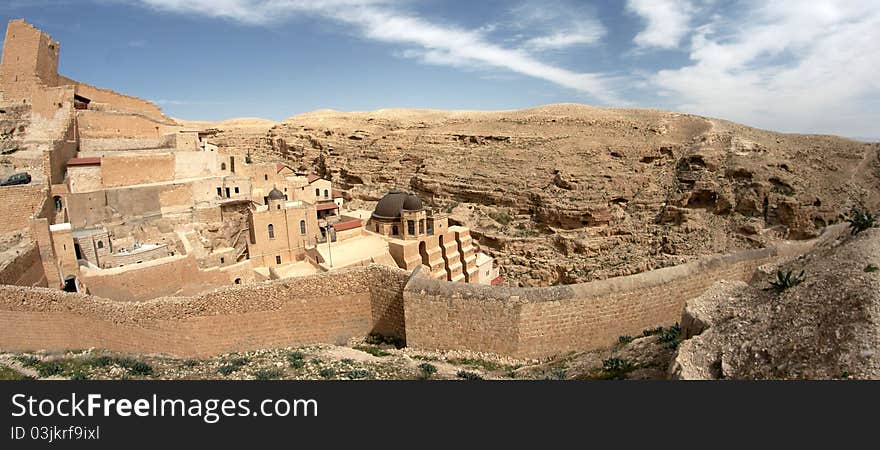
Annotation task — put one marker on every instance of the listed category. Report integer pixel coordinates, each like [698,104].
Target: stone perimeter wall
[333,307]
[325,308]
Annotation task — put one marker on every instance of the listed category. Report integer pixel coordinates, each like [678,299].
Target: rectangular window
[220,192]
[236,189]
[411,227]
[277,260]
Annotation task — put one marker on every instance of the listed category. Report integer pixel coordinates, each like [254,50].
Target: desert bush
[296,360]
[468,375]
[327,372]
[625,339]
[861,220]
[227,369]
[358,374]
[871,268]
[669,337]
[426,370]
[785,281]
[267,374]
[616,368]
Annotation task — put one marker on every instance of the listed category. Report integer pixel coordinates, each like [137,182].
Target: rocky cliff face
[570,193]
[826,327]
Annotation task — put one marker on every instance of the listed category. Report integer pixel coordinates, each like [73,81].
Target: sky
[804,66]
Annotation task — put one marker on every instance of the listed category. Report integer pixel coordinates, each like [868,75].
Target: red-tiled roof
[324,206]
[347,225]
[498,280]
[84,161]
[336,194]
[312,178]
[281,166]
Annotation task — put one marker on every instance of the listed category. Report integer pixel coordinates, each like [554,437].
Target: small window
[222,260]
[411,227]
[220,192]
[266,177]
[278,260]
[222,166]
[278,206]
[394,230]
[238,281]
[100,244]
[326,193]
[377,228]
[236,189]
[317,192]
[302,227]
[271,231]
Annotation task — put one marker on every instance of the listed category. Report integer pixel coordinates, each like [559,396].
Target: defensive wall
[332,307]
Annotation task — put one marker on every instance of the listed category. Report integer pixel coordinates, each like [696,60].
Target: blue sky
[788,65]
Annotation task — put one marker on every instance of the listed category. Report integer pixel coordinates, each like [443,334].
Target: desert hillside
[571,193]
[825,327]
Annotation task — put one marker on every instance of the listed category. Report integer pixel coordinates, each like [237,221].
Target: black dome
[275,194]
[390,205]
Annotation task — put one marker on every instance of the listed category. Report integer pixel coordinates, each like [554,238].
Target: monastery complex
[127,204]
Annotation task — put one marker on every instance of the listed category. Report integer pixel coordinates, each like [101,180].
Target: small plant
[358,374]
[267,374]
[239,362]
[49,369]
[379,339]
[871,268]
[860,220]
[785,281]
[557,373]
[625,339]
[190,363]
[615,368]
[296,360]
[652,331]
[139,368]
[426,370]
[227,369]
[78,376]
[669,337]
[28,361]
[464,374]
[327,372]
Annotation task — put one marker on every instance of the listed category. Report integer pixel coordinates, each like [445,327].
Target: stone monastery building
[126,203]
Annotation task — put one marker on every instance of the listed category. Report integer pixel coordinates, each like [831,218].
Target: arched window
[238,281]
[222,166]
[266,177]
[271,231]
[326,193]
[302,227]
[100,244]
[317,192]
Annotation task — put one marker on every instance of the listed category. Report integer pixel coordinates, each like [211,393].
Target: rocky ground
[572,193]
[644,357]
[827,326]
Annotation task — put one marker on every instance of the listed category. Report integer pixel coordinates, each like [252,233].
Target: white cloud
[792,66]
[668,21]
[385,21]
[559,24]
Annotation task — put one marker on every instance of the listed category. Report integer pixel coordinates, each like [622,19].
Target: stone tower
[30,60]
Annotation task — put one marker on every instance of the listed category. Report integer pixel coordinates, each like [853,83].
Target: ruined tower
[30,61]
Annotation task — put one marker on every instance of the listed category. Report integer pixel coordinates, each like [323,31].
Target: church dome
[392,203]
[275,194]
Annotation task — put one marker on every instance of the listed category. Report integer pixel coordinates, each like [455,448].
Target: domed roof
[392,203]
[275,194]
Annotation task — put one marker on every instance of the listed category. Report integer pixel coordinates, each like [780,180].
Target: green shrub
[77,376]
[358,374]
[139,368]
[268,374]
[296,360]
[468,375]
[190,363]
[48,369]
[327,372]
[239,362]
[860,220]
[426,370]
[101,361]
[9,374]
[227,369]
[557,373]
[871,268]
[625,339]
[669,337]
[785,281]
[616,368]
